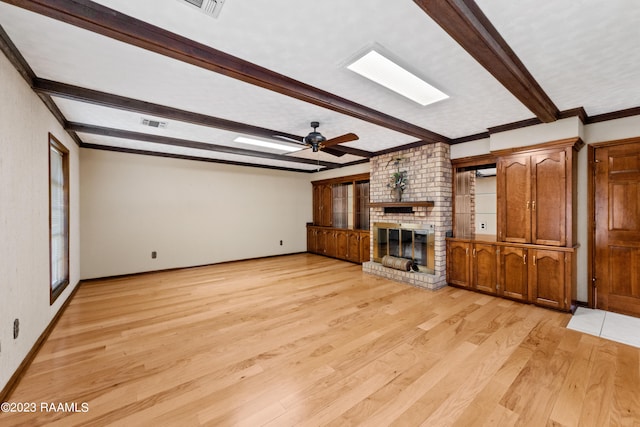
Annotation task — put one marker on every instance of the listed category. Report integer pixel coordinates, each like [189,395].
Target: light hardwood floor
[307,340]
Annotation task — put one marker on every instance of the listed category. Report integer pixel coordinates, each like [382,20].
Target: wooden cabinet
[346,244]
[549,278]
[458,266]
[535,194]
[484,269]
[513,273]
[540,275]
[322,206]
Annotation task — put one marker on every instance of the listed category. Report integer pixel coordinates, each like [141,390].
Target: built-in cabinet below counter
[342,243]
[542,275]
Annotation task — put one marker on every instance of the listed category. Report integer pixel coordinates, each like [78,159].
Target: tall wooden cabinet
[340,227]
[532,258]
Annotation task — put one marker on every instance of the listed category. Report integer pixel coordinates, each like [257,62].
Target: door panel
[617,228]
[513,273]
[514,199]
[485,267]
[549,199]
[547,280]
[458,263]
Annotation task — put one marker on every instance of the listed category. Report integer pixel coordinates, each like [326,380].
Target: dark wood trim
[480,160]
[343,179]
[620,114]
[425,203]
[476,137]
[515,125]
[53,142]
[185,157]
[104,99]
[177,142]
[466,24]
[579,112]
[403,147]
[111,23]
[591,220]
[576,143]
[15,57]
[5,394]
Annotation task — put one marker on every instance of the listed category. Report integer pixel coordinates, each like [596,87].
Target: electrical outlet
[483,225]
[154,255]
[16,328]
[280,242]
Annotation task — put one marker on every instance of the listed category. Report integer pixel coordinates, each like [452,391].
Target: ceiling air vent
[154,123]
[210,7]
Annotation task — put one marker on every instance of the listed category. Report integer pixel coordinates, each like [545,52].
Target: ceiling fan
[317,141]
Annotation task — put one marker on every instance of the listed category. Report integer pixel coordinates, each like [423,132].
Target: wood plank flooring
[304,340]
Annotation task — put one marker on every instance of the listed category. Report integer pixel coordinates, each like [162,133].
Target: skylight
[268,144]
[387,73]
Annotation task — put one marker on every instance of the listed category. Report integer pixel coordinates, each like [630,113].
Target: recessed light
[268,144]
[387,73]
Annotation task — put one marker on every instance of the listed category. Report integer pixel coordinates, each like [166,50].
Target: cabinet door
[312,240]
[484,267]
[326,211]
[514,199]
[353,246]
[458,263]
[317,204]
[365,246]
[341,243]
[549,198]
[512,275]
[548,278]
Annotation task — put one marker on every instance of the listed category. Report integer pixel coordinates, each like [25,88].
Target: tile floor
[612,326]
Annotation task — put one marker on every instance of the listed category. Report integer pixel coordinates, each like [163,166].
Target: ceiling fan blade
[340,139]
[333,151]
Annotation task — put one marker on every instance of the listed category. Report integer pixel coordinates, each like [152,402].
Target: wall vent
[210,7]
[154,123]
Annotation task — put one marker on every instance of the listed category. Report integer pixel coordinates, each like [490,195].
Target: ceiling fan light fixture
[267,144]
[380,69]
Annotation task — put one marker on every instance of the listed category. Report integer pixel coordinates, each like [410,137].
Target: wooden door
[549,198]
[458,263]
[617,228]
[514,199]
[342,243]
[513,274]
[548,280]
[484,267]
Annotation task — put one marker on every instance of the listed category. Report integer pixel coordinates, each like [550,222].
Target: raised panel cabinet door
[322,241]
[512,274]
[514,199]
[317,204]
[485,267]
[342,243]
[547,278]
[312,240]
[353,246]
[331,248]
[458,263]
[365,246]
[549,198]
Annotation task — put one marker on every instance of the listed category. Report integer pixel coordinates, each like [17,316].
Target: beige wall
[24,218]
[191,213]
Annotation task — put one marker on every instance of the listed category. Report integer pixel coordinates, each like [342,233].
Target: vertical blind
[59,219]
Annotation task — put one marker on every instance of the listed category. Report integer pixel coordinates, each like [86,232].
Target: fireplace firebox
[410,241]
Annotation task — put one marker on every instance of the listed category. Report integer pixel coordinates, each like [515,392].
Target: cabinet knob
[524,258]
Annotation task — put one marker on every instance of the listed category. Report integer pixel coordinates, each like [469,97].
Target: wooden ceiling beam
[111,23]
[76,93]
[177,142]
[467,24]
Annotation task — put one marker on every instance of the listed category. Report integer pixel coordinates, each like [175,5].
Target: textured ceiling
[582,54]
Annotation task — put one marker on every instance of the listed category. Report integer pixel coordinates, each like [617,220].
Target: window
[58,217]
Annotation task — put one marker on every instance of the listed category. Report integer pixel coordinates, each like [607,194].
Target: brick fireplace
[428,179]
